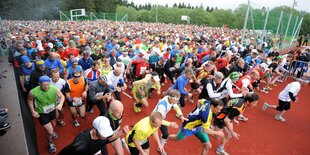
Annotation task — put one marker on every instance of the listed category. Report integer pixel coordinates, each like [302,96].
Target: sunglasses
[76,77]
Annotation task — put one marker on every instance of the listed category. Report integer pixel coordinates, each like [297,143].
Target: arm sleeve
[181,87]
[230,91]
[67,88]
[211,91]
[293,98]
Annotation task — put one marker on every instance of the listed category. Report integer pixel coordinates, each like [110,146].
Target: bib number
[49,108]
[143,70]
[78,102]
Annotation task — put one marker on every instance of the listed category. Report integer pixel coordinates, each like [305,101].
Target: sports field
[262,134]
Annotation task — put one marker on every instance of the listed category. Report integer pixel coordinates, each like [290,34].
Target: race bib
[78,102]
[27,78]
[49,108]
[143,69]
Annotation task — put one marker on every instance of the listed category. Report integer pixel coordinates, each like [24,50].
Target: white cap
[50,45]
[156,78]
[102,124]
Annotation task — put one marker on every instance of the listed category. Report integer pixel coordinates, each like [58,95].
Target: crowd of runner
[87,63]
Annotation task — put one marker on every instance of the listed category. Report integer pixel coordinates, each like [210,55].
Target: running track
[262,134]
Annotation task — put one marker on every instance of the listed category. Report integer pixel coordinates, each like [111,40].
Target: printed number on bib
[49,108]
[78,102]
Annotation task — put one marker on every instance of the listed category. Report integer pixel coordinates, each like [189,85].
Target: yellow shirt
[142,131]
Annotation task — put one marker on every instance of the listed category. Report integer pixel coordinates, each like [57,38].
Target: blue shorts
[198,132]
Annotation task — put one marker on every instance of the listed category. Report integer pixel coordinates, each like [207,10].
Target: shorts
[283,105]
[219,123]
[135,151]
[46,118]
[71,104]
[199,133]
[194,85]
[255,84]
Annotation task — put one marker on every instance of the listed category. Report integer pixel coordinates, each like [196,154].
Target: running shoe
[76,123]
[242,118]
[279,118]
[61,122]
[123,141]
[51,148]
[136,109]
[4,113]
[221,152]
[4,126]
[54,135]
[264,91]
[279,80]
[265,106]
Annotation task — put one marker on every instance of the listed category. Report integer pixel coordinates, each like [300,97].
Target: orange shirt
[76,90]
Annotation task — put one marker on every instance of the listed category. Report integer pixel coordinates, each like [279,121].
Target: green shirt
[45,101]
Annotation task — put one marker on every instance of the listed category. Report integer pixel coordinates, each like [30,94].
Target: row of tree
[49,9]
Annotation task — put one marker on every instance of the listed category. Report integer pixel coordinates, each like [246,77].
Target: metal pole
[265,25]
[245,22]
[60,15]
[288,24]
[280,20]
[295,25]
[297,30]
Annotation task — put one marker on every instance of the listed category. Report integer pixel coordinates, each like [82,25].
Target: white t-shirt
[281,65]
[113,78]
[245,82]
[293,87]
[122,69]
[125,60]
[60,84]
[228,89]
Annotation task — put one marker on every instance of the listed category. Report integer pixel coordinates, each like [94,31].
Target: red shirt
[74,51]
[202,54]
[220,63]
[141,67]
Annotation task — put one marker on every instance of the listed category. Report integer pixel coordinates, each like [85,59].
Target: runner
[287,95]
[199,122]
[45,96]
[224,121]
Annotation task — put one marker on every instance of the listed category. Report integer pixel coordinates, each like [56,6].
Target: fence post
[297,31]
[266,20]
[295,25]
[279,24]
[245,22]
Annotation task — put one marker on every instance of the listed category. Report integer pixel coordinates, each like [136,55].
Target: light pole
[288,23]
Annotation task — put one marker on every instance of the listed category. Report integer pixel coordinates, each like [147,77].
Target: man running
[45,96]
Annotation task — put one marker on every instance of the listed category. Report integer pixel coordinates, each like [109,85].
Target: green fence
[66,16]
[278,23]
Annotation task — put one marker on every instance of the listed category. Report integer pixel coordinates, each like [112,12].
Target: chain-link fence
[66,16]
[273,26]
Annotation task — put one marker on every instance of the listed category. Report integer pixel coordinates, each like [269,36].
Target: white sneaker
[242,118]
[279,118]
[265,106]
[221,152]
[279,80]
[264,91]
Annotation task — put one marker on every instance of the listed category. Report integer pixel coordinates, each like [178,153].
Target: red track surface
[262,134]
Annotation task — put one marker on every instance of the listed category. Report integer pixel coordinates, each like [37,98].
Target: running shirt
[141,132]
[91,75]
[75,89]
[293,87]
[201,116]
[163,106]
[45,101]
[144,84]
[233,109]
[245,81]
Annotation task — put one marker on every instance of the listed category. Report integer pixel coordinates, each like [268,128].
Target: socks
[163,141]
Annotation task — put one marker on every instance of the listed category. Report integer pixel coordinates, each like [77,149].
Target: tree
[175,5]
[211,9]
[166,5]
[131,11]
[104,6]
[208,9]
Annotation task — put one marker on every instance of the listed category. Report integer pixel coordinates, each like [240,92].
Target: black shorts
[46,118]
[255,84]
[135,151]
[283,105]
[219,123]
[194,85]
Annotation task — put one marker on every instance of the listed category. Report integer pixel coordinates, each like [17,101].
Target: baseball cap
[102,124]
[25,59]
[155,76]
[44,79]
[234,75]
[40,63]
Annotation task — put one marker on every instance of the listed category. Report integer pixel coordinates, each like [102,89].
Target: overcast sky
[232,4]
